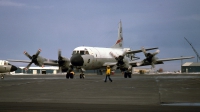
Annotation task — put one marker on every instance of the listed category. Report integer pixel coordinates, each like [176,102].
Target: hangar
[38,70]
[190,67]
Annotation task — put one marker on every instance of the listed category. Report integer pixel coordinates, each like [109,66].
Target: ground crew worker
[108,74]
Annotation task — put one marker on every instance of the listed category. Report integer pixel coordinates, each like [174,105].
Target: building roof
[50,68]
[191,64]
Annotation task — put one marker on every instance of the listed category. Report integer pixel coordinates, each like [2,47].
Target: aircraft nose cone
[13,68]
[77,60]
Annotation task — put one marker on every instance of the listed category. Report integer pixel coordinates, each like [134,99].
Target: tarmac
[150,92]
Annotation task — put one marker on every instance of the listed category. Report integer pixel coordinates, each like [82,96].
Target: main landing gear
[127,74]
[69,75]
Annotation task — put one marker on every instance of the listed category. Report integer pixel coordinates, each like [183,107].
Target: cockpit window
[74,52]
[82,52]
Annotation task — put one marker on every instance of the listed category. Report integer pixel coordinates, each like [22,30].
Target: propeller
[63,63]
[150,58]
[32,58]
[119,58]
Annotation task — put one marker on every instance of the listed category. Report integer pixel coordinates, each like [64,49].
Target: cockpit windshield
[81,52]
[74,52]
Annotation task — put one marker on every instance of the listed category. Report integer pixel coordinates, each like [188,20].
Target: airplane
[6,67]
[97,58]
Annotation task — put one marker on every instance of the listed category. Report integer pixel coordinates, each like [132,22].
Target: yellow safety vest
[108,71]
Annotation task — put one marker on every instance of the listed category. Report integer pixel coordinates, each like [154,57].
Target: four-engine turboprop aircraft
[116,57]
[6,67]
[97,58]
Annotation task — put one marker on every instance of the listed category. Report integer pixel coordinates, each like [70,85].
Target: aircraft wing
[171,59]
[109,64]
[50,63]
[138,51]
[158,61]
[23,61]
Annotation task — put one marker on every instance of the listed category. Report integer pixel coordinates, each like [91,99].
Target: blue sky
[65,24]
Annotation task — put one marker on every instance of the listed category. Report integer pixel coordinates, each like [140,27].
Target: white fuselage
[96,57]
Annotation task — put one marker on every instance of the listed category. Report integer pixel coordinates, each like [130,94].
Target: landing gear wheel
[81,76]
[125,75]
[71,76]
[129,75]
[2,76]
[67,75]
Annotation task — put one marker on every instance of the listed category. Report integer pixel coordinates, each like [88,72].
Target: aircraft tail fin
[119,42]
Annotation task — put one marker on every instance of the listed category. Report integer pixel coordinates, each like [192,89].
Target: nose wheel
[82,76]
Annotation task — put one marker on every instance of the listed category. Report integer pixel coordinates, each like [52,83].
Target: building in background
[37,70]
[190,67]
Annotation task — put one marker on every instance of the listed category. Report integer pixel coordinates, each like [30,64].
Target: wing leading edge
[138,51]
[159,61]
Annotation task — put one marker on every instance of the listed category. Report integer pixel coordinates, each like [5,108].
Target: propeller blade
[60,70]
[38,52]
[113,55]
[29,56]
[152,65]
[124,53]
[60,59]
[27,67]
[114,67]
[59,54]
[157,51]
[143,50]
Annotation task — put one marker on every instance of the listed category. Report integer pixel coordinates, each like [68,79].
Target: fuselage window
[5,63]
[88,60]
[86,52]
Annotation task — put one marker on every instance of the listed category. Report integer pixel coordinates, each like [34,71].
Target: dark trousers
[108,76]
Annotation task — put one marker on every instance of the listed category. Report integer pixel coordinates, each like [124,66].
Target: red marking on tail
[118,41]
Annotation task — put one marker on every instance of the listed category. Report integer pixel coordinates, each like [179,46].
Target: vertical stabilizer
[119,42]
